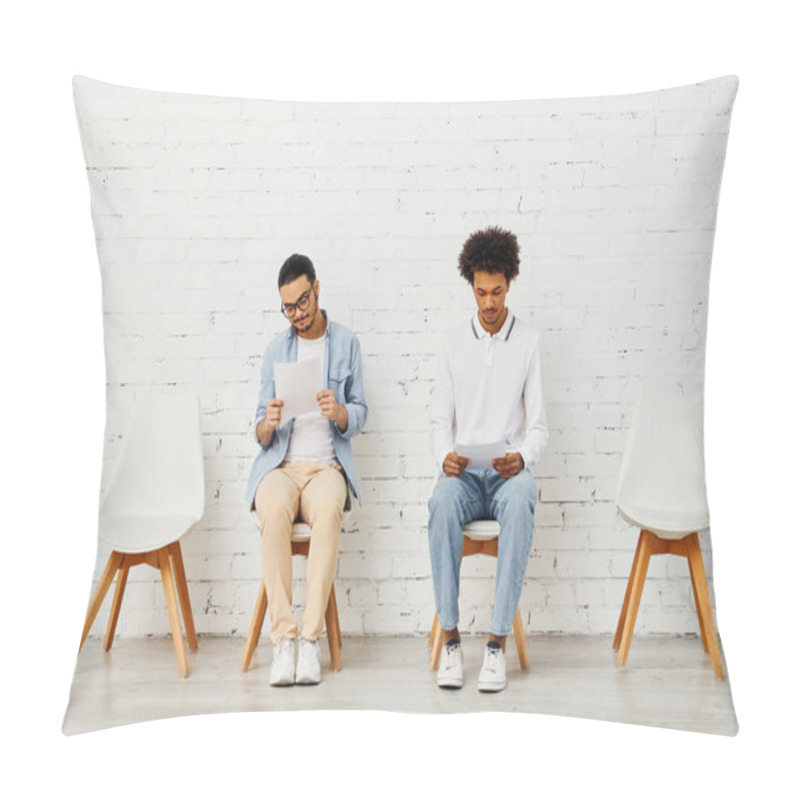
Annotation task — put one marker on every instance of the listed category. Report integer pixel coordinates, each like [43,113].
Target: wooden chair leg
[106,579]
[624,613]
[172,609]
[639,575]
[437,637]
[256,624]
[519,639]
[332,627]
[183,594]
[332,601]
[693,577]
[433,631]
[704,611]
[119,591]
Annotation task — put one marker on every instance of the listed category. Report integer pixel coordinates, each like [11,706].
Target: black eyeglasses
[290,309]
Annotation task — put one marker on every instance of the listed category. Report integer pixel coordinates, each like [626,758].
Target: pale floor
[668,682]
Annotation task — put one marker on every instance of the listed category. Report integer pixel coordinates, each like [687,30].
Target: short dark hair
[490,250]
[294,267]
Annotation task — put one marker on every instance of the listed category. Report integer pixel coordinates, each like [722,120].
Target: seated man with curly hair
[488,389]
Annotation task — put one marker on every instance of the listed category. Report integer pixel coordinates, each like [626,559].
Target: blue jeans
[481,494]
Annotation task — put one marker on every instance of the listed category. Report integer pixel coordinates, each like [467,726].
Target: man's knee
[446,513]
[518,496]
[328,517]
[325,513]
[274,516]
[446,496]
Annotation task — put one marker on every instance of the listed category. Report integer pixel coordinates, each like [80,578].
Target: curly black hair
[490,250]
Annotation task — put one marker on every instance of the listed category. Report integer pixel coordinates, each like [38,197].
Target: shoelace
[450,651]
[493,658]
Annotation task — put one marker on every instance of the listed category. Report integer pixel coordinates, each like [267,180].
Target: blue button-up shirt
[345,379]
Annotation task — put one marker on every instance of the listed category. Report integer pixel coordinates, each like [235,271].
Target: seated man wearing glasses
[487,393]
[304,467]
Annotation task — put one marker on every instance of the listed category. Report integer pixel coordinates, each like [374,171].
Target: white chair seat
[481,530]
[663,522]
[140,534]
[301,531]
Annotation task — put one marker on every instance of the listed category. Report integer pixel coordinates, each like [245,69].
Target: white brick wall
[196,203]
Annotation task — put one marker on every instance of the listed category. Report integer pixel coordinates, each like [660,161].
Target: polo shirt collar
[503,334]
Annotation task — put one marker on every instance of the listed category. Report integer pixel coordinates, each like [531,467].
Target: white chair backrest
[662,483]
[159,471]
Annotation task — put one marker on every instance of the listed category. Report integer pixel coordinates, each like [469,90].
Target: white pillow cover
[197,200]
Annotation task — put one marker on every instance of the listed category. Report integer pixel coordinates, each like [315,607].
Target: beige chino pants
[314,493]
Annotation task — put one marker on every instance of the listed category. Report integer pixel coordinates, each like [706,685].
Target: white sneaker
[492,677]
[308,669]
[282,671]
[451,667]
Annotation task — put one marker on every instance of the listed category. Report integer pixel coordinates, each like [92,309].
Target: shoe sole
[308,681]
[491,687]
[449,683]
[282,683]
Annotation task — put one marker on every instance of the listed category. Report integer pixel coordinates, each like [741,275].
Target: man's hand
[273,415]
[266,428]
[509,465]
[454,465]
[336,412]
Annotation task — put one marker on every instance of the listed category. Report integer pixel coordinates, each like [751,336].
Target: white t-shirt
[312,438]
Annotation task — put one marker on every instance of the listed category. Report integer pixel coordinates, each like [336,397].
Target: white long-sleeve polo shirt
[489,388]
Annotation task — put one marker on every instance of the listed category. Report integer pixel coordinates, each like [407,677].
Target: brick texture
[197,201]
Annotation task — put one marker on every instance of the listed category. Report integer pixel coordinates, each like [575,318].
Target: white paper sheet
[297,384]
[480,455]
